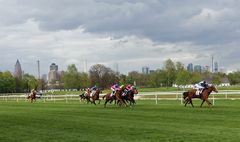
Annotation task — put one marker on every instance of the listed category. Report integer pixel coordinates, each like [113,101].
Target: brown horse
[130,96]
[117,96]
[187,96]
[32,96]
[94,97]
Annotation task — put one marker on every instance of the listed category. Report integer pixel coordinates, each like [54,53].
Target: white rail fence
[155,96]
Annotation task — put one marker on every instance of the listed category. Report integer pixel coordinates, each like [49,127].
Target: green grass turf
[168,121]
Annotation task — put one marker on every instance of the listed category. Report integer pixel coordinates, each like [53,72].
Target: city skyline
[53,73]
[114,32]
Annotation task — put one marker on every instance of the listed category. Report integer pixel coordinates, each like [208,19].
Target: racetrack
[77,121]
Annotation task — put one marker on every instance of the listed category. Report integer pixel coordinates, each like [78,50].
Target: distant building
[44,77]
[190,67]
[198,68]
[207,68]
[145,70]
[53,76]
[18,73]
[215,67]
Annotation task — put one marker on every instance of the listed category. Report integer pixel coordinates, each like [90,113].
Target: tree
[170,68]
[216,79]
[29,82]
[158,78]
[138,78]
[183,77]
[234,77]
[179,66]
[123,79]
[7,82]
[71,78]
[195,77]
[84,79]
[102,76]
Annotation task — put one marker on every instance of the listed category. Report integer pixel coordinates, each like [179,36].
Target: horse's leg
[93,101]
[106,102]
[191,102]
[209,104]
[202,102]
[186,102]
[99,101]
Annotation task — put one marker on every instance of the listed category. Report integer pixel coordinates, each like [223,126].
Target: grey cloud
[162,21]
[142,32]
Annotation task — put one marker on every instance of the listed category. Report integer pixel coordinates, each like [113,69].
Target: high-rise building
[53,73]
[18,70]
[44,77]
[190,67]
[215,67]
[207,68]
[145,70]
[198,68]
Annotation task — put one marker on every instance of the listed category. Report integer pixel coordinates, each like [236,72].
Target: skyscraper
[18,70]
[198,68]
[215,67]
[53,73]
[190,67]
[145,70]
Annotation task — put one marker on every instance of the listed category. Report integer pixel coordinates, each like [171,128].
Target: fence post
[213,99]
[156,99]
[66,98]
[181,100]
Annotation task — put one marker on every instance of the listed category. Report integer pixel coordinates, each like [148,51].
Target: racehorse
[82,96]
[129,96]
[187,96]
[32,96]
[117,96]
[94,97]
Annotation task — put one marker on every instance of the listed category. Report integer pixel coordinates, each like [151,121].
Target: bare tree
[102,76]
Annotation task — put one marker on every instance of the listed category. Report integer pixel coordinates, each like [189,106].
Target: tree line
[104,77]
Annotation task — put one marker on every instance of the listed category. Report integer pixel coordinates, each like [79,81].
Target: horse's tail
[104,97]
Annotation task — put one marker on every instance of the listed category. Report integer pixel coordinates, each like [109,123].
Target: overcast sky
[130,33]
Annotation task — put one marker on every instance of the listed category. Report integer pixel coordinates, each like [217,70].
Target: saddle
[199,92]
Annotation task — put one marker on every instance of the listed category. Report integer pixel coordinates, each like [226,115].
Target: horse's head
[98,90]
[212,88]
[135,91]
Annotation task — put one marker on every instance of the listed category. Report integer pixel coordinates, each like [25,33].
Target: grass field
[168,121]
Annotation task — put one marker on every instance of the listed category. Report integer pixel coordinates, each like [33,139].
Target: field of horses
[146,121]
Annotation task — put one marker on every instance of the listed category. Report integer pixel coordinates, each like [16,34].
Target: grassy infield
[75,121]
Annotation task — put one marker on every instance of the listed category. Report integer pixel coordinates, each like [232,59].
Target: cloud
[131,33]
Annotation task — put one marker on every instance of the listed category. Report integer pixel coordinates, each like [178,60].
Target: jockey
[114,88]
[33,91]
[87,91]
[93,90]
[200,87]
[127,89]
